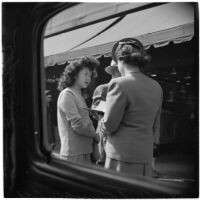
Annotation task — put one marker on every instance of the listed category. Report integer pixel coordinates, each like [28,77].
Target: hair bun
[140,58]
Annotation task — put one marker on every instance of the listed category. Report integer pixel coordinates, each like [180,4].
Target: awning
[65,41]
[155,26]
[84,13]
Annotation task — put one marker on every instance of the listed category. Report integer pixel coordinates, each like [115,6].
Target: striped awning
[157,26]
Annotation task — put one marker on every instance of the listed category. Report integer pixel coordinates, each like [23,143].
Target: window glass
[137,117]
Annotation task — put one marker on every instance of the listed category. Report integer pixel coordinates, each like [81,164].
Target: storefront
[167,32]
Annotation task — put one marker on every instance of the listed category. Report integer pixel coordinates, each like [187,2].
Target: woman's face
[120,65]
[83,78]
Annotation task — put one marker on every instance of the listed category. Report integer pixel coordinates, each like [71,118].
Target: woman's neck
[130,69]
[76,88]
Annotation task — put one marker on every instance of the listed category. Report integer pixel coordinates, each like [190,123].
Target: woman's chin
[85,86]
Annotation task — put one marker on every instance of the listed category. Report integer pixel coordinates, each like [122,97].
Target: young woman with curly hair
[76,130]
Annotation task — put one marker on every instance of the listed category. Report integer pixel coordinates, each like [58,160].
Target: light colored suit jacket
[132,118]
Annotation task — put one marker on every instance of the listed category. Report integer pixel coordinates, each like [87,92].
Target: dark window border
[34,172]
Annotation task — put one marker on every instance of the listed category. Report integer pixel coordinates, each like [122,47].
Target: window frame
[89,180]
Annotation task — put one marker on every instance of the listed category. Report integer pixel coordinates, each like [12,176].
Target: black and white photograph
[100,100]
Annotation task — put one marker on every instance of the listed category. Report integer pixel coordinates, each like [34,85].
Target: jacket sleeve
[114,110]
[156,125]
[69,108]
[96,98]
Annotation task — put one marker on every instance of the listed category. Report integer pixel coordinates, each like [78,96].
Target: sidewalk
[175,163]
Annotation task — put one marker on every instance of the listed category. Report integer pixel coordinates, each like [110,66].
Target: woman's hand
[99,129]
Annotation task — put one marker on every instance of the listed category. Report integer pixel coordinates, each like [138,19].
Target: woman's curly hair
[131,54]
[67,78]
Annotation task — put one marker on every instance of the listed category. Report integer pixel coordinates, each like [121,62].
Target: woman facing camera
[132,112]
[76,130]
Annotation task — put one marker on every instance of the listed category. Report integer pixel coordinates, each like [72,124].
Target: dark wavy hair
[67,78]
[133,55]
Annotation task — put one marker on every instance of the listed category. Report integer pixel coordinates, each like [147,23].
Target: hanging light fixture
[173,71]
[187,76]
